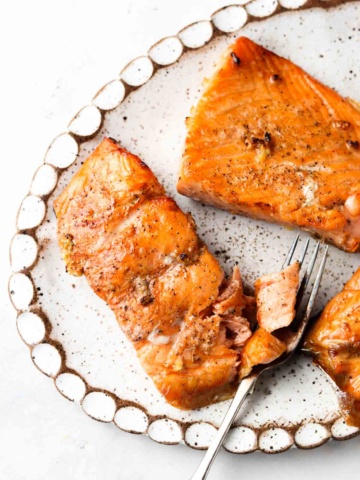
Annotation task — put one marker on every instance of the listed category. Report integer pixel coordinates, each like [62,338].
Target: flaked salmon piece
[334,342]
[140,253]
[249,310]
[262,348]
[236,330]
[231,300]
[269,141]
[275,301]
[276,298]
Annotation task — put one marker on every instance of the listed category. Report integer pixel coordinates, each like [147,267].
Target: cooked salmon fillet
[140,253]
[262,348]
[334,341]
[276,298]
[269,141]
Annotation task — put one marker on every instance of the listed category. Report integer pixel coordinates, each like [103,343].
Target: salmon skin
[267,140]
[334,342]
[140,253]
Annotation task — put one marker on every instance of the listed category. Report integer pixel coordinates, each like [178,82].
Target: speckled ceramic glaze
[73,336]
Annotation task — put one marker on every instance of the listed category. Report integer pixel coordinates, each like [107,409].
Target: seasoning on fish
[267,140]
[334,342]
[140,253]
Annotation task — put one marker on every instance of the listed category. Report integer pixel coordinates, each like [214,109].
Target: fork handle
[245,388]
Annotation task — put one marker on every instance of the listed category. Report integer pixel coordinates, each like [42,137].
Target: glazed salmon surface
[334,341]
[268,141]
[140,254]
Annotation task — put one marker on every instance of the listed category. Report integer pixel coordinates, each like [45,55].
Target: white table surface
[55,55]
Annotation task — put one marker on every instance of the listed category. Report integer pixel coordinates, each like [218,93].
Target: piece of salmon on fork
[272,348]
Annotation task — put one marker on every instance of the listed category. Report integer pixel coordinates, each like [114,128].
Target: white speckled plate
[72,335]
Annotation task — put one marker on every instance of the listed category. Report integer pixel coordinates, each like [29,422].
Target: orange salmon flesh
[267,140]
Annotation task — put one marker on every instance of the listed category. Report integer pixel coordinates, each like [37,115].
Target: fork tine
[304,250]
[310,268]
[303,314]
[306,277]
[291,251]
[316,285]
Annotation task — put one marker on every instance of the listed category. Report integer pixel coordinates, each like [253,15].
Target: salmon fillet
[140,253]
[334,341]
[275,296]
[268,141]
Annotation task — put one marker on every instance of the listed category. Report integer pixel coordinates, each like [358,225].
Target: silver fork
[294,335]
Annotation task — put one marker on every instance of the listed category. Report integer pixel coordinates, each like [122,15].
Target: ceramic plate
[73,336]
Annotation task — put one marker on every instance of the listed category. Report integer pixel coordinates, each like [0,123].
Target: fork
[294,334]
